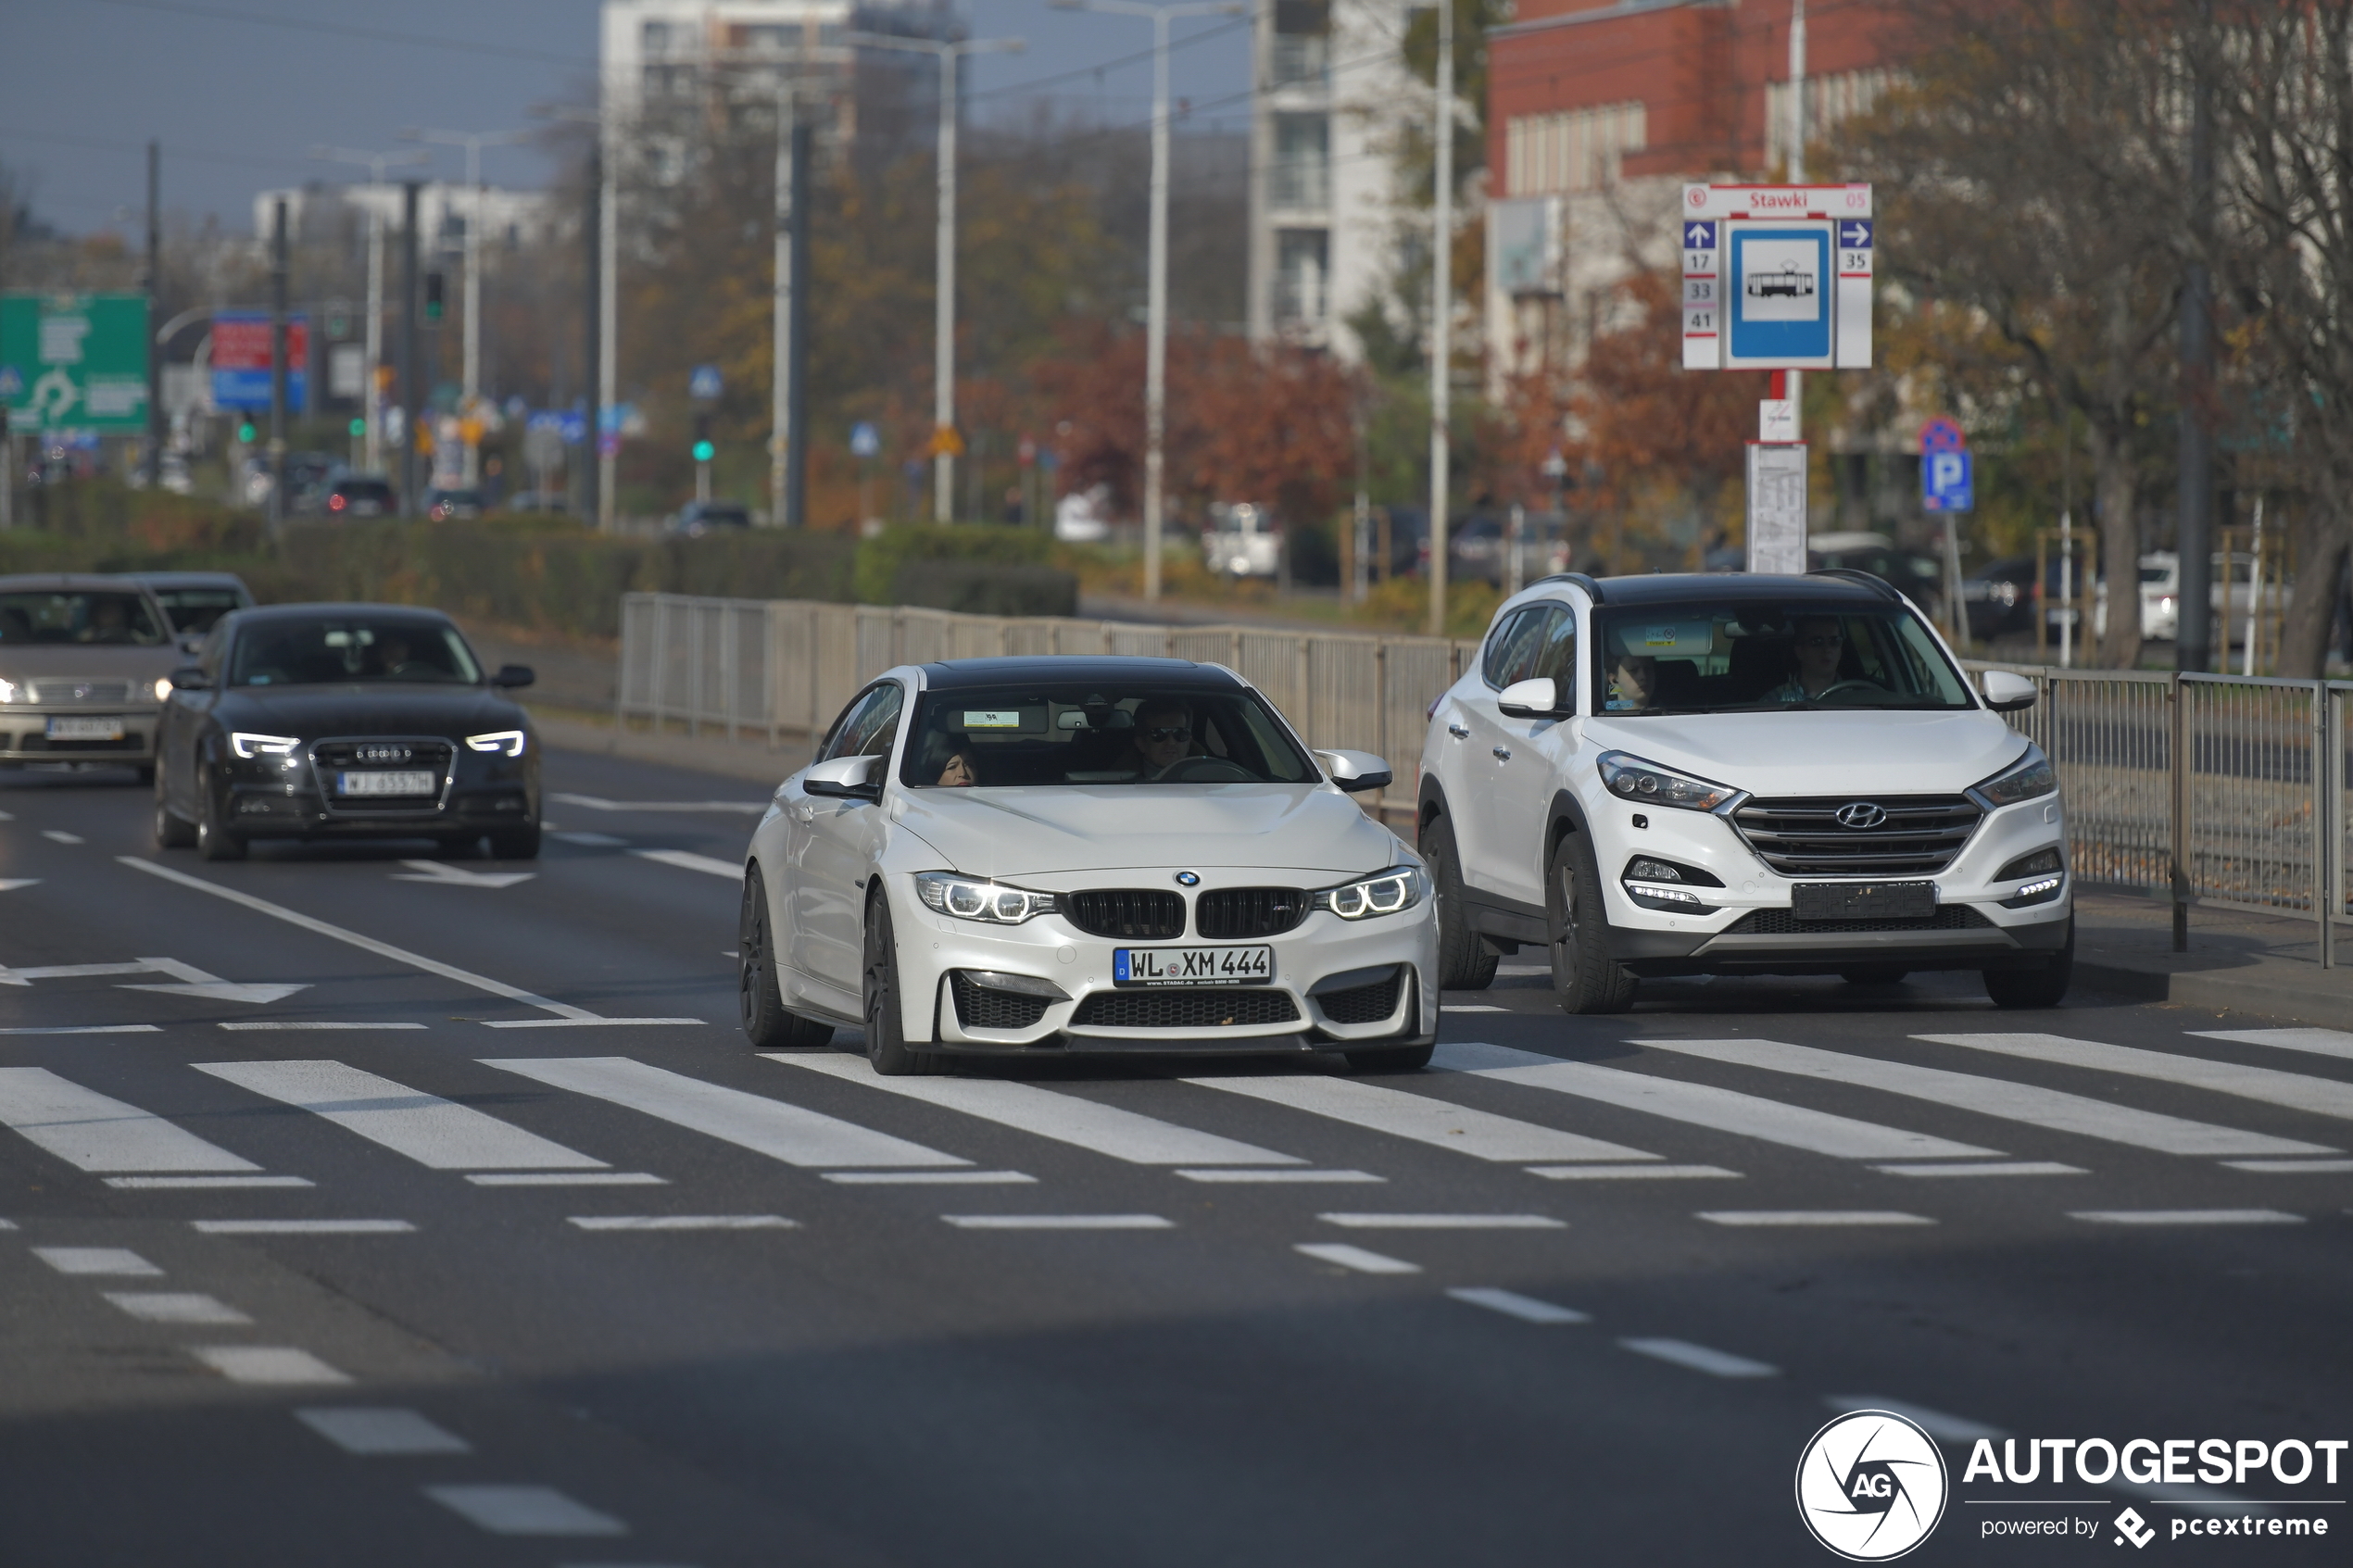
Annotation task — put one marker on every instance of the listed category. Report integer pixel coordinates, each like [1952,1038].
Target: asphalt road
[409,1286]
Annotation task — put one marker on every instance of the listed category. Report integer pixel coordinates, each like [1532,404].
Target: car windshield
[338,650]
[194,609]
[1016,737]
[1704,657]
[78,616]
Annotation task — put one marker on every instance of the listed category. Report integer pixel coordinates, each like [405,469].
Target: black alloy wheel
[886,1046]
[2045,986]
[214,841]
[1464,963]
[761,1001]
[1587,978]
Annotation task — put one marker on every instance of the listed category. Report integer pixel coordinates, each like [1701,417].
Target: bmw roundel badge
[1188,879]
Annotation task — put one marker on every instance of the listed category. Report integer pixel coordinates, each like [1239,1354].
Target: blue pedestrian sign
[864,440]
[1947,476]
[703,385]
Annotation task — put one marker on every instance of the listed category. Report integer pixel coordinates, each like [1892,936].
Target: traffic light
[359,428]
[704,450]
[246,433]
[433,296]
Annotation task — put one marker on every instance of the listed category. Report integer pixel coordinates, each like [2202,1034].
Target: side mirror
[1537,698]
[190,678]
[193,644]
[2007,692]
[513,675]
[1357,772]
[846,778]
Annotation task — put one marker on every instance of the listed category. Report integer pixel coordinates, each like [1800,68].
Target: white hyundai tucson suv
[1725,774]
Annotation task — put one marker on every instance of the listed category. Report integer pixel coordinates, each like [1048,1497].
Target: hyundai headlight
[1396,889]
[1647,783]
[249,745]
[507,742]
[970,898]
[2030,776]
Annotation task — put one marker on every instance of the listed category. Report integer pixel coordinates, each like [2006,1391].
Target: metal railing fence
[787,666]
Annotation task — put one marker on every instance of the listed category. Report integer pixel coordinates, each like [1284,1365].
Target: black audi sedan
[333,721]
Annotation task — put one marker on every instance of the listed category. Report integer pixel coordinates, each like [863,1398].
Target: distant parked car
[360,494]
[2161,593]
[1918,575]
[2000,597]
[443,505]
[697,518]
[1242,540]
[193,600]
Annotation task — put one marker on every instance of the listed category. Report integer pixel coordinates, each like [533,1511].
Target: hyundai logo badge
[1860,814]
[1188,879]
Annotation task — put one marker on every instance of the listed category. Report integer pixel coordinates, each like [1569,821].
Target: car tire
[1392,1059]
[766,1024]
[515,844]
[214,842]
[1464,963]
[172,830]
[886,1046]
[1874,974]
[2045,986]
[1584,974]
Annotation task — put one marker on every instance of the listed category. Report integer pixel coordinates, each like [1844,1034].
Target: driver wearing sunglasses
[1163,736]
[1815,652]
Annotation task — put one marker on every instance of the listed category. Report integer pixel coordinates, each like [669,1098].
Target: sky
[239,104]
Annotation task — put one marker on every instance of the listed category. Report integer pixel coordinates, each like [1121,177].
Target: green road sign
[74,361]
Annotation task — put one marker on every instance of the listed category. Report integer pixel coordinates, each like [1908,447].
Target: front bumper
[24,735]
[1046,985]
[263,799]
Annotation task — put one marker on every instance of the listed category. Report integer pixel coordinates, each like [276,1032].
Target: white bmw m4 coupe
[1044,857]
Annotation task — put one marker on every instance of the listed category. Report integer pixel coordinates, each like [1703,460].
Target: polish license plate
[1192,966]
[407,782]
[85,729]
[1863,900]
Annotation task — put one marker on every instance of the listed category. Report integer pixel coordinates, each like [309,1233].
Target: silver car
[85,664]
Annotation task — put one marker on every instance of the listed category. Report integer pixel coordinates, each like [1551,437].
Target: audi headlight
[2028,777]
[969,898]
[1396,889]
[247,745]
[1647,783]
[507,742]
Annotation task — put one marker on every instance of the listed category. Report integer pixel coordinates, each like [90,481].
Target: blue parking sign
[1947,482]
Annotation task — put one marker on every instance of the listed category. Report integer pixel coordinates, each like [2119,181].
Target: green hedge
[986,587]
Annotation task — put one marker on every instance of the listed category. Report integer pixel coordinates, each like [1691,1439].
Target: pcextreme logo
[1871,1485]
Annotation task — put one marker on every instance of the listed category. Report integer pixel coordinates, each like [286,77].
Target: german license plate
[386,781]
[85,729]
[1192,966]
[1863,900]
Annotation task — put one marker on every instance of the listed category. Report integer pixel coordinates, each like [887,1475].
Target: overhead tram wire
[1204,36]
[197,153]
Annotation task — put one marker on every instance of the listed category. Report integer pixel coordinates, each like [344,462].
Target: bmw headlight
[1396,889]
[507,742]
[1647,783]
[970,899]
[2025,779]
[245,743]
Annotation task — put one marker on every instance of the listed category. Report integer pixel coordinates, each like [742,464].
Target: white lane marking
[525,1511]
[1992,1168]
[1813,1217]
[590,840]
[682,1222]
[2052,1110]
[1356,1258]
[365,1430]
[302,1227]
[732,870]
[1935,1423]
[2290,1167]
[1704,1105]
[774,1127]
[1512,1304]
[1122,1135]
[1471,1007]
[118,1260]
[175,1306]
[1700,1358]
[443,875]
[595,803]
[97,1132]
[187,979]
[90,1029]
[2186,1217]
[1444,1222]
[567,1179]
[2296,1091]
[1627,1173]
[576,1022]
[930,1178]
[1280,1176]
[280,1023]
[11,883]
[366,944]
[2317,1042]
[58,836]
[166,1183]
[266,1363]
[435,1133]
[1059,1221]
[1421,1119]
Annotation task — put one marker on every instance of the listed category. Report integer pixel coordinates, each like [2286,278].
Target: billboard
[74,361]
[241,361]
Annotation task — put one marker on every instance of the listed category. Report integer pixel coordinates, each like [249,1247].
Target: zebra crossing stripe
[2319,1042]
[2296,1091]
[2049,1108]
[435,1133]
[98,1133]
[1422,1119]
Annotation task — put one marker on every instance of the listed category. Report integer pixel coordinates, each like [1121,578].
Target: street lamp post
[1156,329]
[376,163]
[943,402]
[473,141]
[1442,302]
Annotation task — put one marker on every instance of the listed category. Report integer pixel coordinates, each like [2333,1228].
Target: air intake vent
[980,1007]
[1233,913]
[1362,1004]
[1211,1007]
[1781,922]
[1910,835]
[1134,914]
